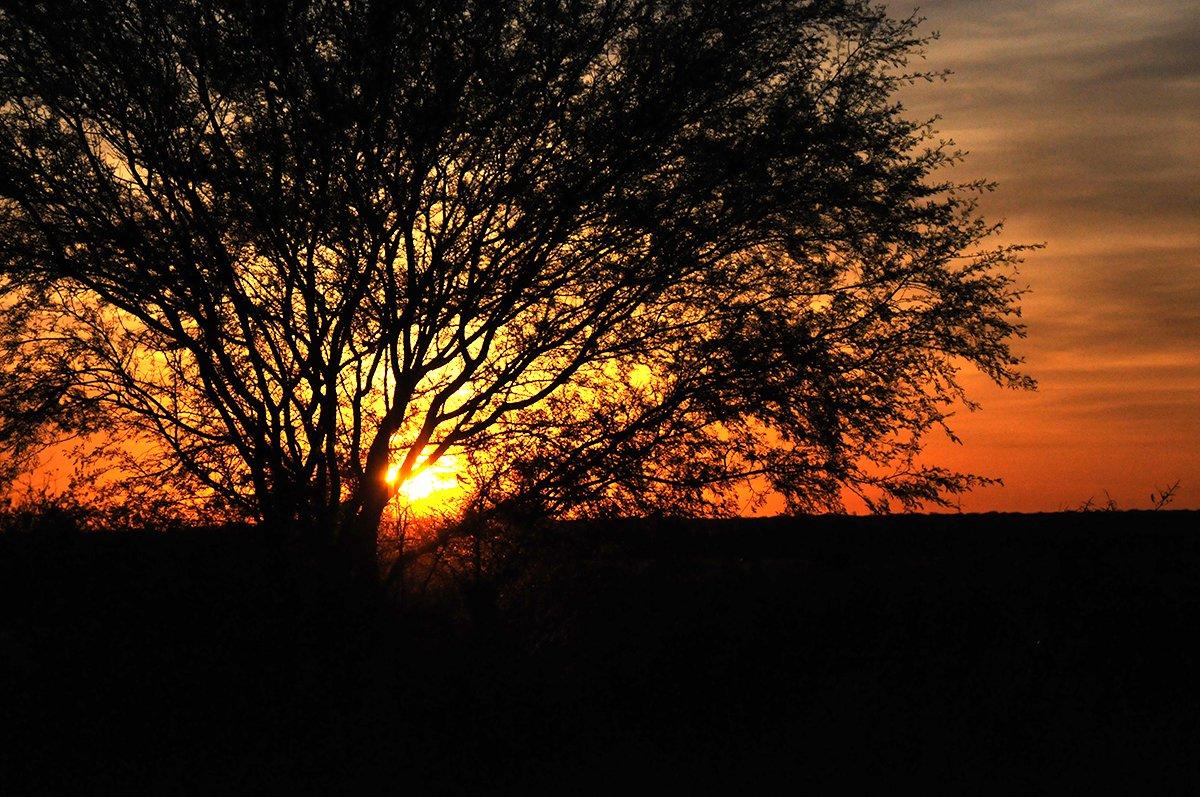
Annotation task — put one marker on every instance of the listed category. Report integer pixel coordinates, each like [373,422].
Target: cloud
[1088,115]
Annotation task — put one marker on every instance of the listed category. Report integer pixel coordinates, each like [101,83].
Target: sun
[427,480]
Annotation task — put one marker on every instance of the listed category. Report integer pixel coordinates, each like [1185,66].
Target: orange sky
[1087,113]
[1088,116]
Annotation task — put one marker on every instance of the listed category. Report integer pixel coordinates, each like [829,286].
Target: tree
[619,255]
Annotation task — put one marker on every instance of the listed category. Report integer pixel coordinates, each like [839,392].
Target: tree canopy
[618,256]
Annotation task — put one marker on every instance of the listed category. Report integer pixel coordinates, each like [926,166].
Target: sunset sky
[1087,114]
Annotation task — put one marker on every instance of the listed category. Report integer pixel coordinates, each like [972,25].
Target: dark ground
[1023,652]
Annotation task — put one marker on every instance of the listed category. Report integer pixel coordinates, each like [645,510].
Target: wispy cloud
[1088,115]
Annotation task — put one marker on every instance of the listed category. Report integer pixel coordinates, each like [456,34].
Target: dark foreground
[1029,652]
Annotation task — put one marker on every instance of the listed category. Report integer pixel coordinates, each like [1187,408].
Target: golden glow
[427,479]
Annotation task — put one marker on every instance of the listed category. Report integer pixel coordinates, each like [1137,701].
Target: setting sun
[427,480]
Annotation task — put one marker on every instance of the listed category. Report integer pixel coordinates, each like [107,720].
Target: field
[1028,652]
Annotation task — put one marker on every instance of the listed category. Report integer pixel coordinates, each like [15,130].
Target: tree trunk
[358,542]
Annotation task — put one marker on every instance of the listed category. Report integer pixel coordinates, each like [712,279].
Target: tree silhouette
[618,255]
